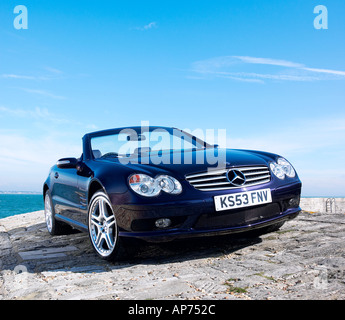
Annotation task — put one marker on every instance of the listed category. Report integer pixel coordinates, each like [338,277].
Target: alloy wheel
[48,213]
[102,226]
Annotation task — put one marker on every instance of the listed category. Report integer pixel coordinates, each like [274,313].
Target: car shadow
[73,252]
[193,248]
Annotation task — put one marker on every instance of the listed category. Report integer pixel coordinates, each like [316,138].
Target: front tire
[103,228]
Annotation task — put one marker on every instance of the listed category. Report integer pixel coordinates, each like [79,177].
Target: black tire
[103,229]
[54,227]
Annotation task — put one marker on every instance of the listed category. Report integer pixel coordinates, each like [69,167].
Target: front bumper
[198,217]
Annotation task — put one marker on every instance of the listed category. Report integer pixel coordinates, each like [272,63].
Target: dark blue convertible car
[159,184]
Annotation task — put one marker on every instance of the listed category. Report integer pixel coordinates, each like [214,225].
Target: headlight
[150,187]
[282,168]
[144,185]
[169,184]
[287,167]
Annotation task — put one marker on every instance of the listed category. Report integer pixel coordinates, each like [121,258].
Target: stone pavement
[305,259]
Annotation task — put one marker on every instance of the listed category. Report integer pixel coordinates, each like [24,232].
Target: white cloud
[269,61]
[255,77]
[313,135]
[148,26]
[43,93]
[53,70]
[333,72]
[24,150]
[92,126]
[242,78]
[25,162]
[45,119]
[316,150]
[52,74]
[37,113]
[18,76]
[26,77]
[227,67]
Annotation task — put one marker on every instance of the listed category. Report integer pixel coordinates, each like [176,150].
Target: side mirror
[67,163]
[83,170]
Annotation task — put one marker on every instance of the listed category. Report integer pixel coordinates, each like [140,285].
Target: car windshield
[129,142]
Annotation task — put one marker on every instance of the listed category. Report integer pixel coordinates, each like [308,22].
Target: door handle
[56,175]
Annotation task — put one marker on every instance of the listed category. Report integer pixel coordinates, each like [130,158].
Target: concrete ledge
[326,205]
[303,260]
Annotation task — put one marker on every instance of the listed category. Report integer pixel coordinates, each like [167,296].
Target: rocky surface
[305,259]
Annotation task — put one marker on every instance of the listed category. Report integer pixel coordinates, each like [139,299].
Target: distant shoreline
[341,197]
[19,192]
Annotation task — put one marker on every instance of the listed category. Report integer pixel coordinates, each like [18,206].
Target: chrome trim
[62,162]
[215,172]
[254,173]
[253,179]
[207,179]
[251,168]
[210,184]
[217,179]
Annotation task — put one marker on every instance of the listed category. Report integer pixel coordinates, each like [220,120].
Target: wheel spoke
[111,224]
[109,241]
[110,220]
[95,221]
[102,209]
[95,217]
[98,240]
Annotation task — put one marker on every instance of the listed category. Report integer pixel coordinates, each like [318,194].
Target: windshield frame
[87,144]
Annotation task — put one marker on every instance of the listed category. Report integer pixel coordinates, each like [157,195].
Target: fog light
[163,223]
[294,202]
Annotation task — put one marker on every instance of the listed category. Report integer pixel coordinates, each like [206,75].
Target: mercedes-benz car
[160,184]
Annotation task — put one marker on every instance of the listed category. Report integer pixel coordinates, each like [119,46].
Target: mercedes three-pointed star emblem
[236,177]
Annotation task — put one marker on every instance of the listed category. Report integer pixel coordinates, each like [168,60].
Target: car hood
[180,164]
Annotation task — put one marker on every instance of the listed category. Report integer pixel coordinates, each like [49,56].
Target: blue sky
[258,69]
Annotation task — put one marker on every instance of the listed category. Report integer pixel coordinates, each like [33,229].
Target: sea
[13,204]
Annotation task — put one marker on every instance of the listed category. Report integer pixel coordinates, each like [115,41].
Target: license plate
[242,199]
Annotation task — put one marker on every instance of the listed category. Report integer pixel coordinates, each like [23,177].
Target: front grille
[217,179]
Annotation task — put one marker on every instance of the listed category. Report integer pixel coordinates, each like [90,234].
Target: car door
[83,184]
[65,196]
